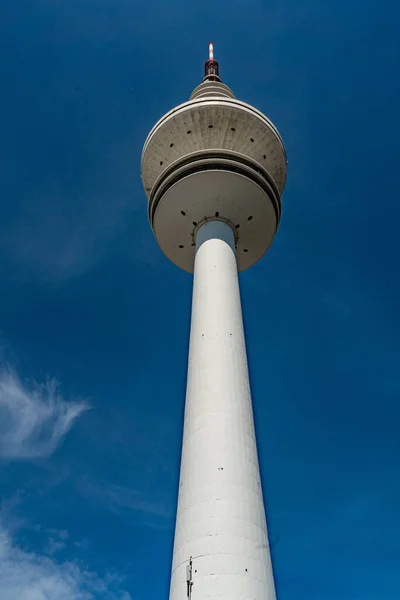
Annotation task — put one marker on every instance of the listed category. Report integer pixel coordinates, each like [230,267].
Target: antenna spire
[211,66]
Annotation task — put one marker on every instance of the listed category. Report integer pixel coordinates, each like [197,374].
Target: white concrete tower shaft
[214,170]
[221,545]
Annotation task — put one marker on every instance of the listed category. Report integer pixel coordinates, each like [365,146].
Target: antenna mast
[211,66]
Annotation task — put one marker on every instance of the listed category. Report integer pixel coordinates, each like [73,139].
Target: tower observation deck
[213,170]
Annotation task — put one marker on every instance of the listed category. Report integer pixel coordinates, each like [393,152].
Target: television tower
[214,169]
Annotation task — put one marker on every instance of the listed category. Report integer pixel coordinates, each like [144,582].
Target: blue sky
[94,320]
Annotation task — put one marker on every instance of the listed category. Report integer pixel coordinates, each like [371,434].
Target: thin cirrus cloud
[122,500]
[34,418]
[57,541]
[33,576]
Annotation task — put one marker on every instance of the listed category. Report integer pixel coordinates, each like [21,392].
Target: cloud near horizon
[34,418]
[33,576]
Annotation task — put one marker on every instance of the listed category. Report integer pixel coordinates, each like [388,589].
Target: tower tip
[211,67]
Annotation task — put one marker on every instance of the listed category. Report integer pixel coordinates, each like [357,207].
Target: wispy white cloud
[34,418]
[32,576]
[57,541]
[122,500]
[81,544]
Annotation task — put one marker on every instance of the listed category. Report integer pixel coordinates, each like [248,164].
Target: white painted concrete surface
[235,126]
[220,519]
[196,197]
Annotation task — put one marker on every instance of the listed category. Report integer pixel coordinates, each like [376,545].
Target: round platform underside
[199,196]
